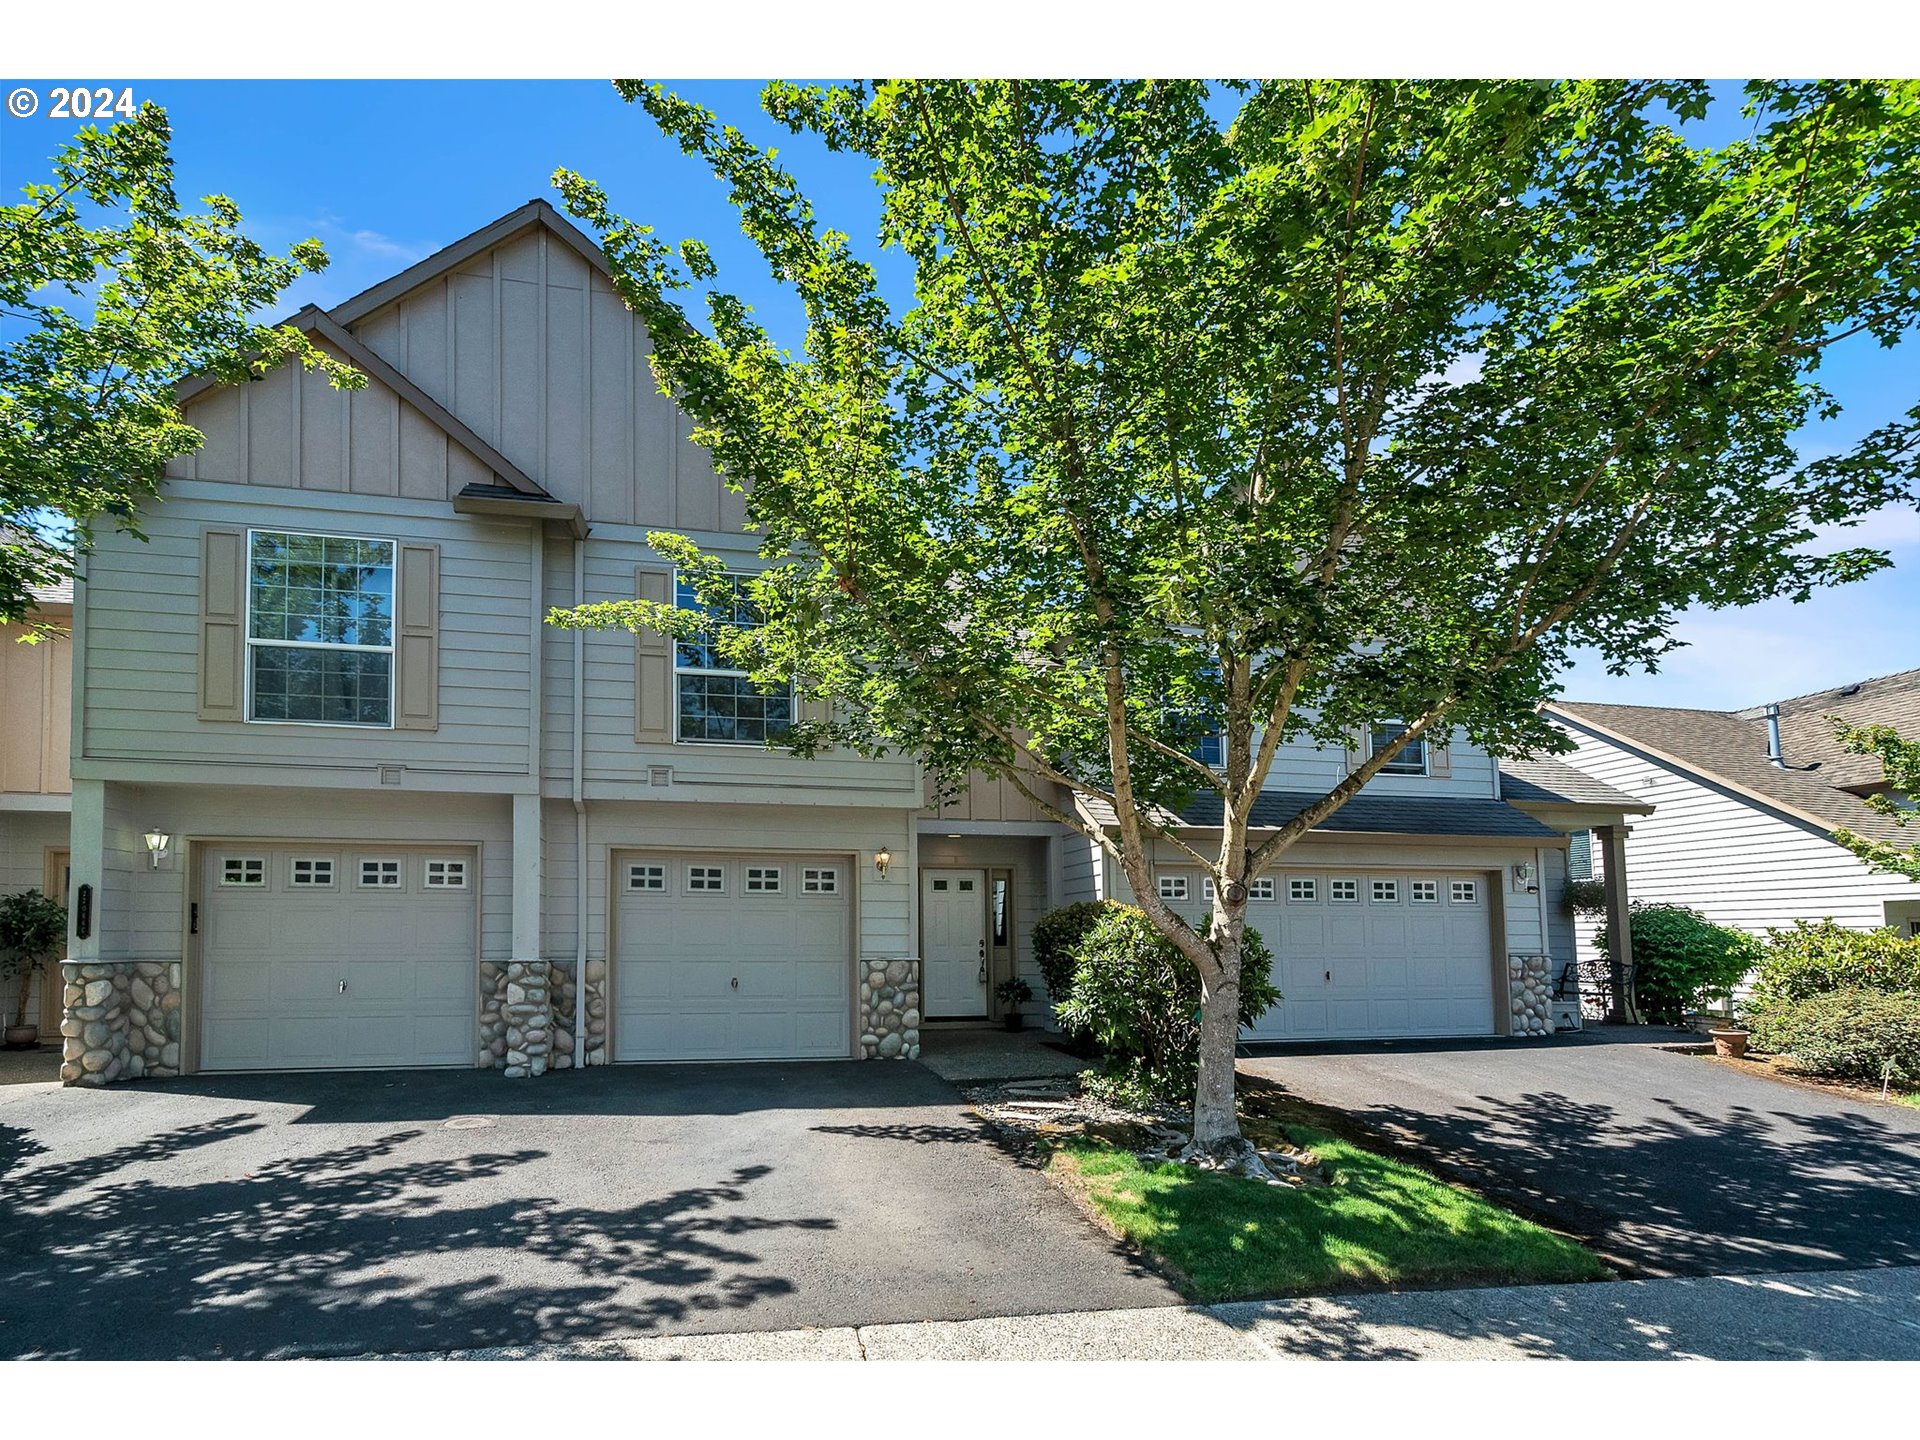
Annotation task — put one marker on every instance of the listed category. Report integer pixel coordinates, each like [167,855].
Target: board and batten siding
[531,347]
[291,429]
[36,710]
[1726,857]
[141,656]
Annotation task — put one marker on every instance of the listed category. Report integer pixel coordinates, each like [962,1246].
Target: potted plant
[33,929]
[1013,994]
[1729,1035]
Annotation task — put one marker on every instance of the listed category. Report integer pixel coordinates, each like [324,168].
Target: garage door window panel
[706,880]
[647,879]
[248,871]
[446,875]
[382,874]
[311,872]
[320,629]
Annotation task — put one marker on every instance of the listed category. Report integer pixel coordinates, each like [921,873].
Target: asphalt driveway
[435,1210]
[1667,1164]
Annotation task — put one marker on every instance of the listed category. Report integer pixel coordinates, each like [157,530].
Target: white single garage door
[329,957]
[1376,953]
[725,957]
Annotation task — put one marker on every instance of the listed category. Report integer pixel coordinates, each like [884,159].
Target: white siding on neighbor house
[141,652]
[1726,857]
[533,349]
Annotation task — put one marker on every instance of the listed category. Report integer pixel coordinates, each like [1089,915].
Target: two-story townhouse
[341,798]
[36,791]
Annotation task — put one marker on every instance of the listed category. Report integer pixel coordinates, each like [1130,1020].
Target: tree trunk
[1214,1117]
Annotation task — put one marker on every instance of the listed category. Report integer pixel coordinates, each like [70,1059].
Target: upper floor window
[319,629]
[1410,761]
[714,702]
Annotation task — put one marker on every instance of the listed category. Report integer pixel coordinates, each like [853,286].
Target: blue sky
[386,172]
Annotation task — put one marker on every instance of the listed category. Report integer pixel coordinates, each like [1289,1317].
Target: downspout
[579,812]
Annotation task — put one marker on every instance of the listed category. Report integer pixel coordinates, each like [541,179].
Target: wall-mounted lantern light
[157,842]
[882,858]
[1524,879]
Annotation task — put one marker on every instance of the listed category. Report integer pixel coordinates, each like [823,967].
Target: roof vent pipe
[1774,757]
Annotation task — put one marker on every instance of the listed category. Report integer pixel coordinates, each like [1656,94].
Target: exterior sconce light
[157,842]
[882,858]
[1523,879]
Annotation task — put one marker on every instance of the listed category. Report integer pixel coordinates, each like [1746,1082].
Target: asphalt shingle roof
[1730,746]
[1554,782]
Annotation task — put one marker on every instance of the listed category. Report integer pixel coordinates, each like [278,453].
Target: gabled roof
[1554,782]
[317,324]
[1368,815]
[534,212]
[1728,748]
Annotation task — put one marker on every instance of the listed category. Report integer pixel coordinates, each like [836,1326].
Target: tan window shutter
[652,665]
[223,625]
[816,712]
[416,649]
[1439,757]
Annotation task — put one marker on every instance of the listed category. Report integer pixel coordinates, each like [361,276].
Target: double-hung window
[319,629]
[715,703]
[1410,761]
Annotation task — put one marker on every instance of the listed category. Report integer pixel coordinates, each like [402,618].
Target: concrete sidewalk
[1824,1315]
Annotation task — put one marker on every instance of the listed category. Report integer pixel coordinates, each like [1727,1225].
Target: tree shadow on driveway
[1669,1188]
[373,1246]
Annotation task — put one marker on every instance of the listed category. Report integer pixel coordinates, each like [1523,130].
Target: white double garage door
[347,957]
[1365,954]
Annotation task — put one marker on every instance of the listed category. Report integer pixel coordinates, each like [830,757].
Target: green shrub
[1681,959]
[1585,897]
[1847,1034]
[1139,997]
[1818,957]
[33,928]
[1056,935]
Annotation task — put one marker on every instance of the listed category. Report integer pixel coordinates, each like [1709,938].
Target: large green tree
[109,295]
[1270,410]
[1900,764]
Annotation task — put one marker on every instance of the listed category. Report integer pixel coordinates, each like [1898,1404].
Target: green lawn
[1382,1222]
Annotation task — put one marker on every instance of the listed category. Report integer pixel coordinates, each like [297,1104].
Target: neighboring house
[35,790]
[1746,802]
[343,799]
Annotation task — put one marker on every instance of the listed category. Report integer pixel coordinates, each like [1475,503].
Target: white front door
[953,926]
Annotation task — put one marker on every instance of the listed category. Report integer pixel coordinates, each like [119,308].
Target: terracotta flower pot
[22,1037]
[1730,1043]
